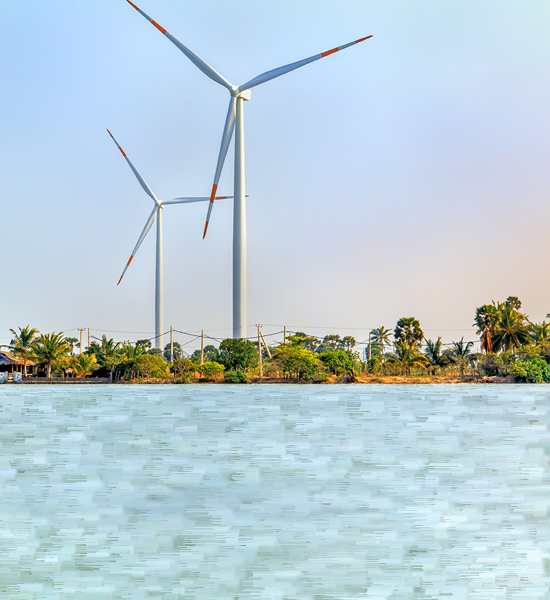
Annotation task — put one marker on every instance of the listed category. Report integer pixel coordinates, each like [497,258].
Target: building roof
[7,358]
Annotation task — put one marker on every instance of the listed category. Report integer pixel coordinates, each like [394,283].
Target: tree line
[511,346]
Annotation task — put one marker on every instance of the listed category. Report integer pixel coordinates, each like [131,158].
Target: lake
[322,492]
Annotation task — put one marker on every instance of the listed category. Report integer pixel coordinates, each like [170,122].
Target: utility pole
[370,347]
[202,347]
[171,344]
[284,334]
[260,358]
[265,345]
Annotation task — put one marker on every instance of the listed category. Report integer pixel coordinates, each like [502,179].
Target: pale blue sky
[405,176]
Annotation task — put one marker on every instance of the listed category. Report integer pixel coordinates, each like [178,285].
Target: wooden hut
[10,364]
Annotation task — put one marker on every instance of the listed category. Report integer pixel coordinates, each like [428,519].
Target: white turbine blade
[196,60]
[268,75]
[142,182]
[142,236]
[228,130]
[191,200]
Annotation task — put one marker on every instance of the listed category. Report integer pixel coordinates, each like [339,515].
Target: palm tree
[49,349]
[407,357]
[485,320]
[108,354]
[540,332]
[461,354]
[434,352]
[408,331]
[511,330]
[381,336]
[22,343]
[130,355]
[83,365]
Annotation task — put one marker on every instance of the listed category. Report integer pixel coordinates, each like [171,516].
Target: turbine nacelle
[244,95]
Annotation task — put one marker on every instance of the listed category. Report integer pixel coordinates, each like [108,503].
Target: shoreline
[359,380]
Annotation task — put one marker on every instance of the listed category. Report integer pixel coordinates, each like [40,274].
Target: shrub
[153,366]
[211,370]
[496,364]
[235,377]
[533,370]
[184,369]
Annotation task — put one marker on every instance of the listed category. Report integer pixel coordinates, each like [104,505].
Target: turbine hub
[246,95]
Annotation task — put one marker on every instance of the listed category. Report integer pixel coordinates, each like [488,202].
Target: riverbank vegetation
[511,348]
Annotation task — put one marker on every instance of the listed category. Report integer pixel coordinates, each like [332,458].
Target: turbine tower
[234,123]
[157,214]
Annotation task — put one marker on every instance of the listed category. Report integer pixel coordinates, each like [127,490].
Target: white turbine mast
[234,122]
[156,214]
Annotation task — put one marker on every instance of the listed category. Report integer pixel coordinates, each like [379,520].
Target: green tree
[298,362]
[330,342]
[50,349]
[381,336]
[409,332]
[210,353]
[130,355]
[145,344]
[485,321]
[434,353]
[73,343]
[238,355]
[539,332]
[407,357]
[462,354]
[178,352]
[83,365]
[348,343]
[108,353]
[339,362]
[22,343]
[511,330]
[309,342]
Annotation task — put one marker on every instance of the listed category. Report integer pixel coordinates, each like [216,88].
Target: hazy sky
[405,176]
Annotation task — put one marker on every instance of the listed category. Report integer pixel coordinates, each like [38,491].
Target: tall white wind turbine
[157,214]
[234,122]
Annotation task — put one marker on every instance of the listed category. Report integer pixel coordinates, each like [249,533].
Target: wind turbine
[156,214]
[234,122]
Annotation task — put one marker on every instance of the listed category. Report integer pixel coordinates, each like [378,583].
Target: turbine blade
[142,236]
[191,200]
[142,182]
[228,130]
[269,75]
[196,60]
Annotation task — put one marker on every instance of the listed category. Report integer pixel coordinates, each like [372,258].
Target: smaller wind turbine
[156,214]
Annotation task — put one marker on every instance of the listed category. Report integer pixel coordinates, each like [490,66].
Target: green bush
[211,370]
[533,370]
[152,366]
[184,369]
[235,377]
[496,364]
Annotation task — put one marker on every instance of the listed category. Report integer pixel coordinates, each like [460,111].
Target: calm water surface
[376,492]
